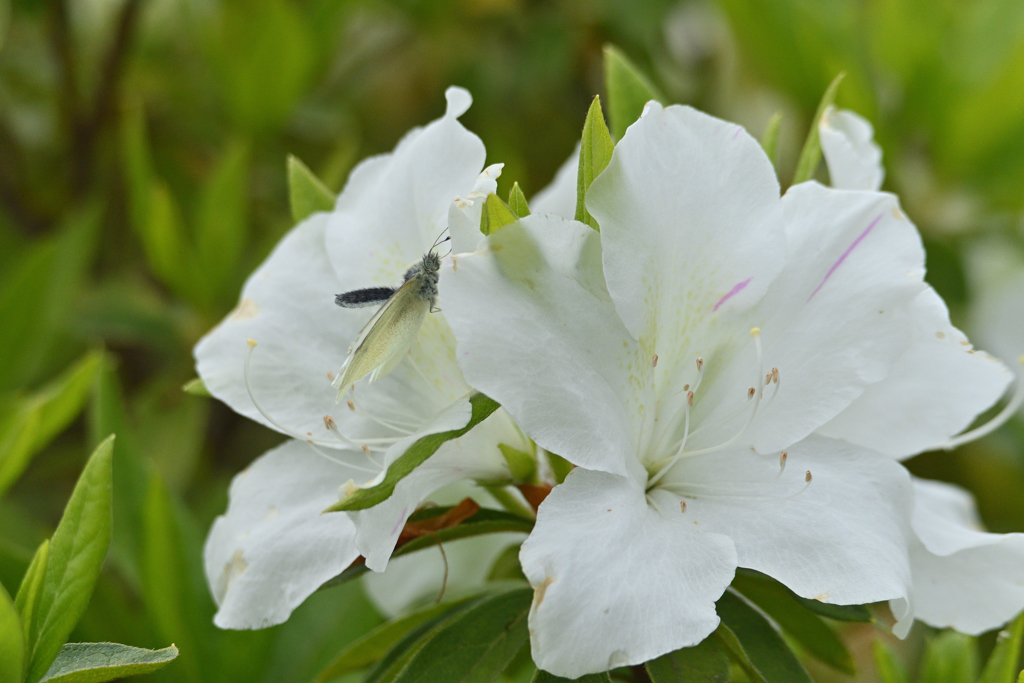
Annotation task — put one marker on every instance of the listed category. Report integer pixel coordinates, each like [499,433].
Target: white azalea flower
[392,209]
[963,577]
[686,358]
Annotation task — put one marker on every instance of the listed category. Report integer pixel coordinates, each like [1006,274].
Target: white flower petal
[854,158]
[396,205]
[273,547]
[964,577]
[472,456]
[615,582]
[836,320]
[840,539]
[691,224]
[287,307]
[533,296]
[934,391]
[559,197]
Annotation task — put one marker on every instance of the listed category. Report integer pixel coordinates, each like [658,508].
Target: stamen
[750,393]
[996,422]
[689,400]
[654,361]
[351,405]
[682,506]
[312,442]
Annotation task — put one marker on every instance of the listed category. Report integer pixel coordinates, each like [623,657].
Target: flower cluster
[735,374]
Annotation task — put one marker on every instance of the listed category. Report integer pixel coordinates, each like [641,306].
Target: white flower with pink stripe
[716,362]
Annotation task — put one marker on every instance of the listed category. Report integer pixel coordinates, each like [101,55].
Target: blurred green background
[142,176]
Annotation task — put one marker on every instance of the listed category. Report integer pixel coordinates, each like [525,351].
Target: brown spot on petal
[540,591]
[245,309]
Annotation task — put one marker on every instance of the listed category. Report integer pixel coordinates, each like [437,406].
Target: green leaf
[43,415]
[506,565]
[770,139]
[704,663]
[628,90]
[27,600]
[99,662]
[545,677]
[76,554]
[517,201]
[306,193]
[950,657]
[560,467]
[196,387]
[374,645]
[221,221]
[1001,666]
[473,645]
[595,153]
[520,463]
[485,521]
[889,668]
[761,643]
[413,458]
[12,641]
[496,214]
[38,292]
[804,626]
[810,155]
[855,613]
[165,577]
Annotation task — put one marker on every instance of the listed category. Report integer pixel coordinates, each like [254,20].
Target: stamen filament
[996,422]
[312,442]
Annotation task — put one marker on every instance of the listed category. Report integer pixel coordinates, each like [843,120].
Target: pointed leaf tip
[306,192]
[595,153]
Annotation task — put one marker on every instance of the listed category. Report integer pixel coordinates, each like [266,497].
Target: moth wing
[386,338]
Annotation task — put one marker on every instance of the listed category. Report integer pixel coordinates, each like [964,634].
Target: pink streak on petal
[737,133]
[846,253]
[401,521]
[733,292]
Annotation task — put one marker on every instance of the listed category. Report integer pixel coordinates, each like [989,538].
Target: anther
[768,379]
[782,459]
[807,477]
[330,375]
[351,405]
[366,449]
[686,387]
[700,364]
[750,392]
[682,506]
[775,375]
[754,331]
[252,343]
[689,399]
[654,361]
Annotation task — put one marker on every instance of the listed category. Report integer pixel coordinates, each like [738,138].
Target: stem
[511,502]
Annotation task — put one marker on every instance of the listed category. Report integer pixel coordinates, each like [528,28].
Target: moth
[390,333]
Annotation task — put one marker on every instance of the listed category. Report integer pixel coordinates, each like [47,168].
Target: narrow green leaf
[595,153]
[165,577]
[364,651]
[496,214]
[27,600]
[475,645]
[506,566]
[17,437]
[810,155]
[545,677]
[520,463]
[804,626]
[761,643]
[628,90]
[413,458]
[306,192]
[517,201]
[395,659]
[707,662]
[1003,662]
[221,221]
[77,549]
[855,613]
[42,416]
[950,657]
[483,522]
[889,668]
[770,139]
[12,641]
[196,387]
[99,662]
